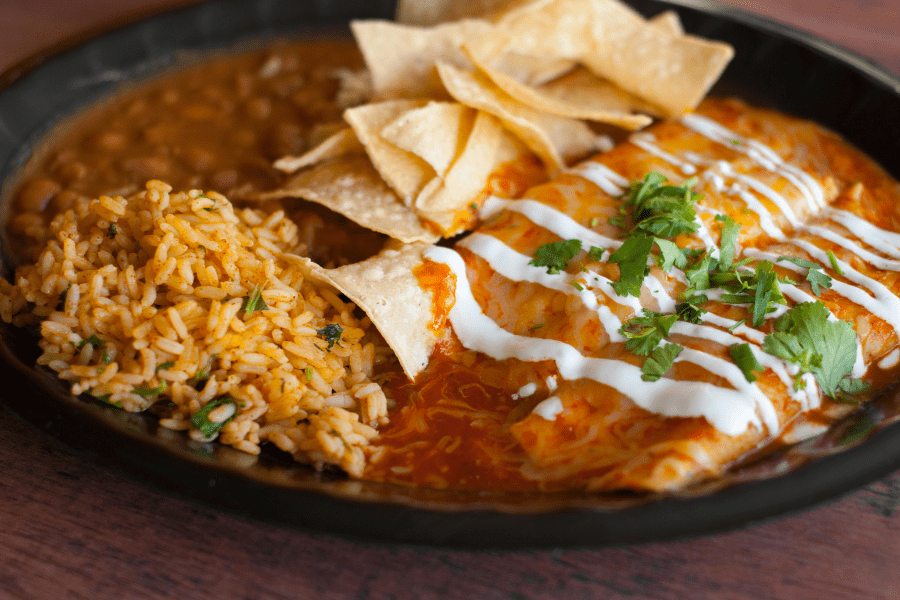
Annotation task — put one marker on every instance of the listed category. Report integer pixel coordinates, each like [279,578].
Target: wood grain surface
[73,529]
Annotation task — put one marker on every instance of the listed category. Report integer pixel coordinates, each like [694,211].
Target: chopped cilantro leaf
[728,241]
[533,327]
[148,392]
[165,366]
[577,286]
[805,337]
[556,255]
[595,253]
[93,341]
[834,263]
[632,260]
[746,361]
[766,285]
[816,277]
[662,210]
[253,302]
[200,419]
[331,333]
[105,359]
[736,325]
[660,361]
[62,297]
[697,275]
[105,399]
[113,230]
[594,221]
[204,373]
[644,334]
[689,311]
[849,389]
[670,255]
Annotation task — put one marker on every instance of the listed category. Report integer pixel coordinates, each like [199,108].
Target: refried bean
[217,125]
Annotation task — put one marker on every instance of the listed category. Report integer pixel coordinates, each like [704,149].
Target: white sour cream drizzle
[514,266]
[729,411]
[890,361]
[880,239]
[761,154]
[602,176]
[525,391]
[646,141]
[548,408]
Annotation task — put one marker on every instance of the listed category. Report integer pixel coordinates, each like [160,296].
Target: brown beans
[36,194]
[147,167]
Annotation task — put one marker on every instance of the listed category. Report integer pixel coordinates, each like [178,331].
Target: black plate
[774,66]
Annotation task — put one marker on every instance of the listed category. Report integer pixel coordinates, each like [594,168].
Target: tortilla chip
[592,98]
[433,12]
[487,147]
[434,133]
[340,143]
[401,58]
[669,22]
[674,73]
[349,185]
[647,59]
[556,140]
[405,172]
[387,290]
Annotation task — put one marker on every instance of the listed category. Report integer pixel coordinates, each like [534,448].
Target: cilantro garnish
[727,241]
[556,255]
[660,361]
[577,286]
[148,392]
[165,366]
[816,277]
[595,253]
[689,311]
[661,210]
[805,337]
[632,260]
[744,358]
[645,333]
[105,399]
[93,341]
[105,359]
[200,419]
[113,230]
[766,286]
[253,302]
[834,263]
[669,255]
[533,327]
[331,333]
[204,373]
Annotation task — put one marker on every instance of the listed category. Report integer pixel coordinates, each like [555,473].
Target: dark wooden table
[71,529]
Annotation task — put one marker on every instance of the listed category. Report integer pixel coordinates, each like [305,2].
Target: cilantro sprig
[818,279]
[331,333]
[254,302]
[805,337]
[200,419]
[555,256]
[658,210]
